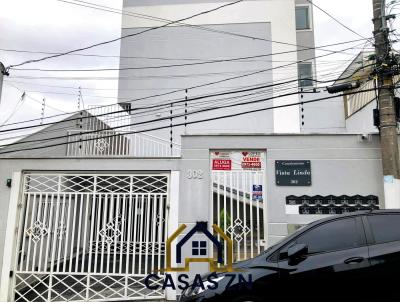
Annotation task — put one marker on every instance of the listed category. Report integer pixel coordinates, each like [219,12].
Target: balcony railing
[112,143]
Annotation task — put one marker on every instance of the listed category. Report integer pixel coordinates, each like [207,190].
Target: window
[305,74]
[332,236]
[385,228]
[302,17]
[199,248]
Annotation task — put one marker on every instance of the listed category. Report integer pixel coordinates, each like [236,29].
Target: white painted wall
[281,15]
[9,253]
[362,121]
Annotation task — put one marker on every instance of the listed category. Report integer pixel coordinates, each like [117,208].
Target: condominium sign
[293,172]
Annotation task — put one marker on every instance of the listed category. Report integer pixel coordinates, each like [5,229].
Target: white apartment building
[279,33]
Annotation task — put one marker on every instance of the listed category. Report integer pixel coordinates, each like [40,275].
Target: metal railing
[122,143]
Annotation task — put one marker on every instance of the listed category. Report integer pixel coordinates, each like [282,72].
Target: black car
[352,257]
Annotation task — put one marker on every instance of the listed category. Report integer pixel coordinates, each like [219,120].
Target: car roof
[333,217]
[355,214]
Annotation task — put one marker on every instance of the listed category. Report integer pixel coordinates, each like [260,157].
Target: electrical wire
[167,109]
[131,35]
[35,100]
[155,106]
[150,122]
[105,106]
[181,124]
[145,67]
[169,117]
[132,57]
[197,105]
[337,21]
[192,64]
[211,83]
[124,98]
[241,59]
[126,36]
[148,17]
[285,87]
[230,78]
[178,100]
[16,108]
[268,92]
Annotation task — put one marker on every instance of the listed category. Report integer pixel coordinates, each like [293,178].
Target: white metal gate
[239,202]
[90,237]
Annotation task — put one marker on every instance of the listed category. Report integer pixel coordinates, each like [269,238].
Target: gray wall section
[184,42]
[341,164]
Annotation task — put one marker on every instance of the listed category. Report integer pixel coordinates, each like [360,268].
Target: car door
[383,234]
[337,259]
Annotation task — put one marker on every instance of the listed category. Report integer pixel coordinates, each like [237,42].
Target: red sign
[222,164]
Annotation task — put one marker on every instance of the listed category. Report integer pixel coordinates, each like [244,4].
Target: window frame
[312,74]
[360,231]
[310,18]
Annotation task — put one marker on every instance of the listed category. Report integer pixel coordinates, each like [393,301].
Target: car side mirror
[296,252]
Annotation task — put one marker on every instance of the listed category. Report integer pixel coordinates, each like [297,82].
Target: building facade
[88,216]
[104,220]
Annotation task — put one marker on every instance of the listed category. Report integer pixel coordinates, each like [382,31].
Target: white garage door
[90,237]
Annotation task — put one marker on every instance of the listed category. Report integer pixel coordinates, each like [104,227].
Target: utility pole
[3,72]
[387,114]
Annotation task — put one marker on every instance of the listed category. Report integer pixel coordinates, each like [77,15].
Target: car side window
[336,235]
[385,227]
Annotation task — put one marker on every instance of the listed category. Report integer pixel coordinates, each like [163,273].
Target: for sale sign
[237,160]
[251,160]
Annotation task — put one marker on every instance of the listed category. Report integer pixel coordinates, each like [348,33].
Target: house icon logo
[199,249]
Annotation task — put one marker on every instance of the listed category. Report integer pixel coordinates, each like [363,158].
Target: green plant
[224,217]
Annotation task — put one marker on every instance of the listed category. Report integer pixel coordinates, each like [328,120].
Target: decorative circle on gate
[101,144]
[112,230]
[37,231]
[238,230]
